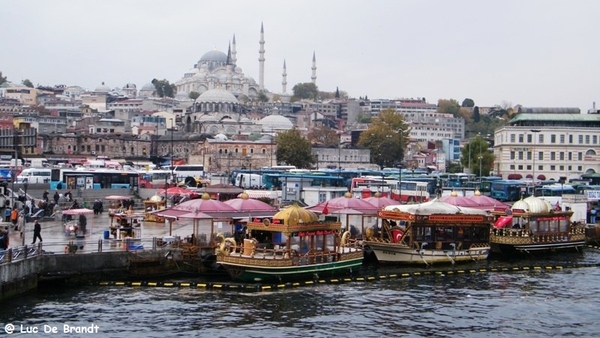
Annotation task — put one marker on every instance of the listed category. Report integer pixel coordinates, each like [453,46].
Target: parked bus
[276,181]
[411,192]
[182,172]
[555,190]
[34,176]
[154,178]
[508,190]
[93,179]
[364,187]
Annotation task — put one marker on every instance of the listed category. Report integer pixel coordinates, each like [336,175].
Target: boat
[430,233]
[293,245]
[151,205]
[533,224]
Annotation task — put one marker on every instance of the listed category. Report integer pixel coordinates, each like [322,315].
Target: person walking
[56,197]
[37,229]
[14,217]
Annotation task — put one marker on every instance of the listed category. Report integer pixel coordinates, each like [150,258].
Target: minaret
[314,69]
[284,80]
[261,59]
[233,52]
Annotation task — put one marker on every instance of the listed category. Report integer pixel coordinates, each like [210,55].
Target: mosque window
[220,151]
[251,151]
[263,150]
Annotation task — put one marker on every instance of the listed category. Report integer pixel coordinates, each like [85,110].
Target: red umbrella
[244,203]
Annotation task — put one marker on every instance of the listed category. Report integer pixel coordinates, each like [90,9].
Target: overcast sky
[534,53]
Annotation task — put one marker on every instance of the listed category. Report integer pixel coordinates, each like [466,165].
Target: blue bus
[93,179]
[508,190]
[348,175]
[555,190]
[235,172]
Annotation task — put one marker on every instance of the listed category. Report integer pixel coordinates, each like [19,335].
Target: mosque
[224,88]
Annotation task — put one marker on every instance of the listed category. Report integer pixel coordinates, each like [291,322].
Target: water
[537,303]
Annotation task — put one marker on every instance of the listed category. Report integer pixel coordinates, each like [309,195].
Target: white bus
[181,172]
[34,175]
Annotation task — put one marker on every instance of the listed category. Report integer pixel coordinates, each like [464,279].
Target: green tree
[164,88]
[476,115]
[477,157]
[193,95]
[387,138]
[324,136]
[262,97]
[468,103]
[448,106]
[27,83]
[307,90]
[337,93]
[294,149]
[2,78]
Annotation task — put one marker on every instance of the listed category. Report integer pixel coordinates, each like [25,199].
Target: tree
[307,90]
[476,115]
[2,78]
[477,152]
[448,106]
[469,103]
[193,95]
[294,149]
[164,88]
[387,138]
[27,83]
[337,93]
[262,97]
[324,136]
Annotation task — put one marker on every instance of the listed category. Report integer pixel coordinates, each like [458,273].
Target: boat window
[444,234]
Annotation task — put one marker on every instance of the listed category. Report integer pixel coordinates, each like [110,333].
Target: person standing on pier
[37,229]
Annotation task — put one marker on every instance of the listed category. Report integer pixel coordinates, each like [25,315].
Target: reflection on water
[525,303]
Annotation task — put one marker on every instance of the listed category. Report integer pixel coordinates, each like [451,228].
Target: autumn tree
[27,83]
[193,95]
[476,157]
[387,138]
[324,136]
[294,149]
[448,106]
[307,90]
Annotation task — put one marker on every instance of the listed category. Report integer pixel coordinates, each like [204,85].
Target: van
[34,176]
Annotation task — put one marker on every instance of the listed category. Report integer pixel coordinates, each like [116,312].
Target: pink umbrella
[380,201]
[204,204]
[117,198]
[346,202]
[244,203]
[459,201]
[487,203]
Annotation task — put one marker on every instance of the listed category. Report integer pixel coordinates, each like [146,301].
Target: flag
[325,209]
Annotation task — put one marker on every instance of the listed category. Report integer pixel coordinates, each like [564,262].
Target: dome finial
[453,194]
[477,192]
[205,196]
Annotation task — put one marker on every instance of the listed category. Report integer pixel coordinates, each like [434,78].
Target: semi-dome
[214,55]
[221,137]
[218,95]
[102,88]
[532,204]
[276,122]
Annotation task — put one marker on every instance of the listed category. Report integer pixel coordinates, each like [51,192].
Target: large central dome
[214,55]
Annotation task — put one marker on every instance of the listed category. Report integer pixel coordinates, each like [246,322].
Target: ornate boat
[533,224]
[429,233]
[292,245]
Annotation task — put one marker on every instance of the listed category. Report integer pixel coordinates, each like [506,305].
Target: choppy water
[525,303]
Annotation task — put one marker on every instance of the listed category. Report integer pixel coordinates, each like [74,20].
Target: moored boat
[429,233]
[533,224]
[292,245]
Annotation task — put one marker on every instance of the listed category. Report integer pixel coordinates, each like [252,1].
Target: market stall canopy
[220,189]
[380,201]
[486,202]
[176,191]
[434,206]
[346,202]
[244,203]
[117,197]
[77,211]
[204,204]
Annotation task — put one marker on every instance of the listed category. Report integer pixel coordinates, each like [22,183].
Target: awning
[515,176]
[529,176]
[256,194]
[503,222]
[541,177]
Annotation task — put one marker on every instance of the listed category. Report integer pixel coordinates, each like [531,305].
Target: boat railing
[539,237]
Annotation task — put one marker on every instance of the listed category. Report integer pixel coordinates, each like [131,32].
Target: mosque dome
[102,88]
[149,86]
[218,95]
[221,137]
[214,55]
[182,96]
[129,86]
[275,122]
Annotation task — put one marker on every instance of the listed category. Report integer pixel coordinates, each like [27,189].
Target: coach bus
[93,179]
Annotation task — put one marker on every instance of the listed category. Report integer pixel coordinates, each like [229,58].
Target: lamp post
[480,158]
[534,131]
[172,167]
[400,166]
